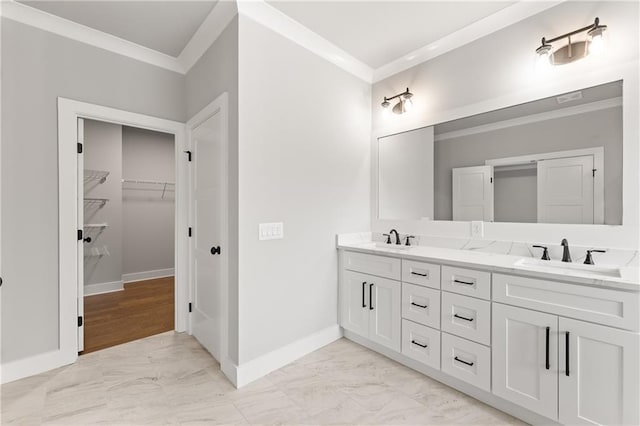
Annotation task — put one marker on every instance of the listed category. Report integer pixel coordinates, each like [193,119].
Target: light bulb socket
[385,103]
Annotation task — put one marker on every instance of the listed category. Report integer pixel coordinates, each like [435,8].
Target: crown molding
[533,118]
[481,28]
[63,27]
[208,32]
[272,18]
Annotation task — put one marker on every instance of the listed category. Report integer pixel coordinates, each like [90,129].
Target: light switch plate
[271,231]
[477,229]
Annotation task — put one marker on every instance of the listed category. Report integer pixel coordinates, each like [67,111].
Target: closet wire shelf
[99,175]
[101,201]
[150,185]
[96,252]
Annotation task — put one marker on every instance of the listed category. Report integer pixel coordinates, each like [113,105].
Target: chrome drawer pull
[420,306]
[463,282]
[463,318]
[462,361]
[418,273]
[418,344]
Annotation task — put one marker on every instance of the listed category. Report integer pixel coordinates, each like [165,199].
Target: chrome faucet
[566,255]
[397,236]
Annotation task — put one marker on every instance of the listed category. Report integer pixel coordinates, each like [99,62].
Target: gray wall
[304,161]
[37,67]
[588,130]
[216,72]
[515,195]
[103,151]
[148,218]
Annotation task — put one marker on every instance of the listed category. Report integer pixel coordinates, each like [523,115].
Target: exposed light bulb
[407,104]
[544,59]
[596,46]
[386,112]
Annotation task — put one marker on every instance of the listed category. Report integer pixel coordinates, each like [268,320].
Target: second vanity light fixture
[573,50]
[404,103]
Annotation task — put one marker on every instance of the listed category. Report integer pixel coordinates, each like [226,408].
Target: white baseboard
[21,368]
[242,375]
[148,275]
[99,288]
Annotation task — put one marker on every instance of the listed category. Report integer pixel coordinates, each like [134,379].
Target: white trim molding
[495,22]
[100,288]
[37,18]
[242,375]
[213,25]
[533,118]
[275,20]
[148,275]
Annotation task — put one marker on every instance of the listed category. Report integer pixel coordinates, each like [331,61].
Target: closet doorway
[127,207]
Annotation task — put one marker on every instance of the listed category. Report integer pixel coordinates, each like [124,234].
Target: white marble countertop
[629,275]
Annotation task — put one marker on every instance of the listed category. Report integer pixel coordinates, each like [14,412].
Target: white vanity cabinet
[567,352]
[371,308]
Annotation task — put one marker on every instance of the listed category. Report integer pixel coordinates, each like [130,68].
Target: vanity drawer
[387,267]
[421,305]
[421,343]
[466,317]
[421,273]
[600,305]
[467,281]
[467,361]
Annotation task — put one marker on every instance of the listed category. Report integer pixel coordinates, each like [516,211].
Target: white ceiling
[378,32]
[164,26]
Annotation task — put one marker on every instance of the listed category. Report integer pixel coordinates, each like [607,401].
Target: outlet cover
[271,231]
[477,229]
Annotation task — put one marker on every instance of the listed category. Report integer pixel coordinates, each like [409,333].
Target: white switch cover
[477,229]
[271,231]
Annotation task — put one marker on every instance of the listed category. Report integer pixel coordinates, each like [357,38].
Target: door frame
[69,111]
[220,105]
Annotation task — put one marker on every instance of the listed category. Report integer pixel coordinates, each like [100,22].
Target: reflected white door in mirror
[545,347]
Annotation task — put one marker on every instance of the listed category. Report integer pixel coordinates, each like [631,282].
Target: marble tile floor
[170,379]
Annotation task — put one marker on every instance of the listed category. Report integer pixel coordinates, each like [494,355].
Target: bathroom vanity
[560,341]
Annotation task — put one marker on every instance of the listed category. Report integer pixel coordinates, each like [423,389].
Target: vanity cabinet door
[385,320]
[599,374]
[354,312]
[525,358]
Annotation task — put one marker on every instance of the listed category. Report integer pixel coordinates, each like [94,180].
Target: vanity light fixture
[573,50]
[404,103]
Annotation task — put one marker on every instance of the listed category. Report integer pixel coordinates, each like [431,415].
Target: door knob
[215,250]
[87,240]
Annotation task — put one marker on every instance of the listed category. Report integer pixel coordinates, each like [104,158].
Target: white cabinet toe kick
[544,351]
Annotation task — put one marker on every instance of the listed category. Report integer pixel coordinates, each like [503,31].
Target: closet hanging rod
[151,182]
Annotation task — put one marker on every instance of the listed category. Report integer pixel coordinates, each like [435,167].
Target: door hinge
[490,180]
[190,231]
[80,321]
[80,236]
[79,148]
[594,172]
[188,155]
[189,306]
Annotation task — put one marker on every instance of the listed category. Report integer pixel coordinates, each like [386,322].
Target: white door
[599,374]
[355,302]
[207,142]
[473,193]
[565,190]
[525,358]
[80,300]
[384,310]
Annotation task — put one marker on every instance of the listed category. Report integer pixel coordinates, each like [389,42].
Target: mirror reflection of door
[473,193]
[565,190]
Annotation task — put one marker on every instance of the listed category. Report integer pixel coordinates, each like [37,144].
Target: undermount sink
[393,246]
[556,266]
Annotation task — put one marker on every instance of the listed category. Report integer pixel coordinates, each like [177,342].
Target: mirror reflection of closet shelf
[93,175]
[149,185]
[96,251]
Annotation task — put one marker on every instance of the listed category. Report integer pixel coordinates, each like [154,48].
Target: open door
[208,203]
[565,190]
[80,218]
[473,193]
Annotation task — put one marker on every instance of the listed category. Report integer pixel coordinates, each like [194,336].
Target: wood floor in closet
[142,309]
